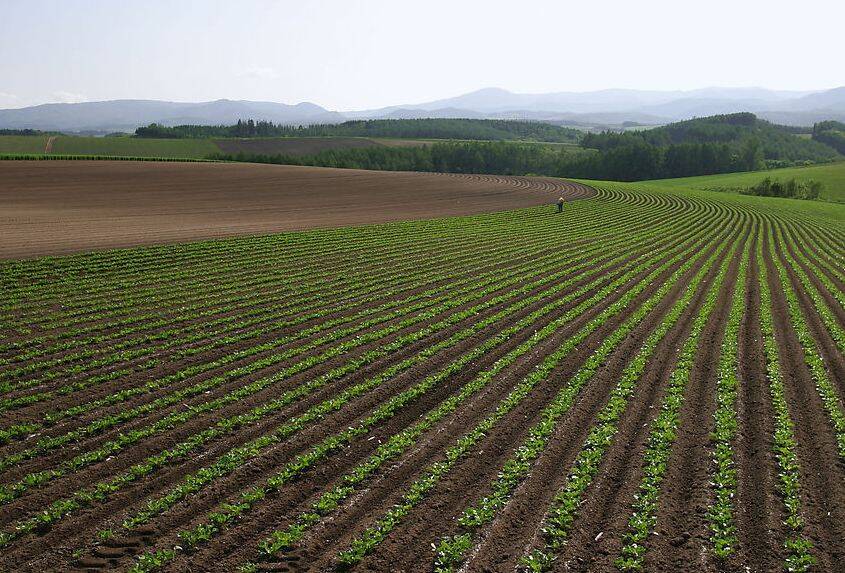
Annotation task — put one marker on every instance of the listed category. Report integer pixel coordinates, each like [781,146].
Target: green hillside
[832,177]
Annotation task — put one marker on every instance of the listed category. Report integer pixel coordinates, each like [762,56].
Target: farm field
[652,380]
[23,143]
[102,204]
[192,148]
[307,145]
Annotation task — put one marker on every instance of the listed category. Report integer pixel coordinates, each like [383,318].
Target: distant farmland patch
[22,143]
[199,148]
[291,145]
[131,146]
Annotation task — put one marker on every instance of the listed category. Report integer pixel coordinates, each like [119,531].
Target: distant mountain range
[126,115]
[615,106]
[597,109]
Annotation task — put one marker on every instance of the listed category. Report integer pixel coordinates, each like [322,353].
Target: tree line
[25,132]
[631,162]
[430,128]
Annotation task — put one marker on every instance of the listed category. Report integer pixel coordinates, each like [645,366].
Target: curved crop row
[516,468]
[61,508]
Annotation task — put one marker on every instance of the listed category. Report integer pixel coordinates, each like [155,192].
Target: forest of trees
[831,133]
[472,129]
[448,156]
[632,162]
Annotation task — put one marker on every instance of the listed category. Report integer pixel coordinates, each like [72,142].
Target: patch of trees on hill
[768,187]
[779,146]
[792,188]
[831,133]
[472,129]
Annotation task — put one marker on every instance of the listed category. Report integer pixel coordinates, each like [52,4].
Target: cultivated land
[23,143]
[52,207]
[307,145]
[191,148]
[652,380]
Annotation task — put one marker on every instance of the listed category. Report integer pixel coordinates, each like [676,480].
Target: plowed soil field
[56,207]
[649,381]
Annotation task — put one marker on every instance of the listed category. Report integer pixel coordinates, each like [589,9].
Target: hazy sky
[349,54]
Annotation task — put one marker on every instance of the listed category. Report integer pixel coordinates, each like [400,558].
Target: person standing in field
[560,205]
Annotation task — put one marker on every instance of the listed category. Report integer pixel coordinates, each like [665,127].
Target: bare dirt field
[58,207]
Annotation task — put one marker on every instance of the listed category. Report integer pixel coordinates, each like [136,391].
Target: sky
[362,54]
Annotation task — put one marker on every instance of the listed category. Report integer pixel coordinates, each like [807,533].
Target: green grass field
[189,148]
[22,143]
[831,175]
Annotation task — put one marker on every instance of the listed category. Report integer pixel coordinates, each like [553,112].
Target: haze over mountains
[604,108]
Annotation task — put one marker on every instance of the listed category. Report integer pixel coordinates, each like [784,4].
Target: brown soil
[58,207]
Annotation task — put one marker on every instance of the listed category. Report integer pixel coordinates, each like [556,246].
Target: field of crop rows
[648,381]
